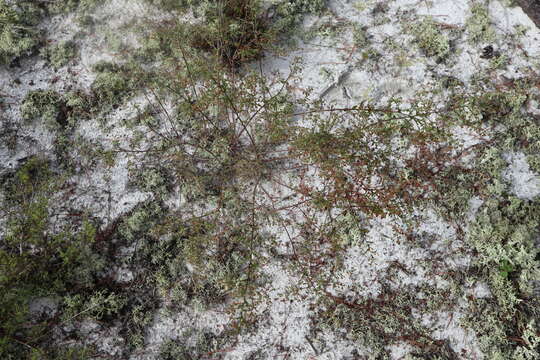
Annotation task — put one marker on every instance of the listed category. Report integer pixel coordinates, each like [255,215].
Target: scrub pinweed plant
[226,138]
[217,146]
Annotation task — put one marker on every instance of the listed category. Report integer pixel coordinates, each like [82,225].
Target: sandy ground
[340,75]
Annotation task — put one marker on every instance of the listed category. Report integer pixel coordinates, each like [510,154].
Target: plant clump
[112,85]
[360,37]
[18,35]
[479,25]
[193,344]
[66,6]
[290,12]
[504,235]
[46,105]
[234,30]
[37,262]
[431,39]
[60,54]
